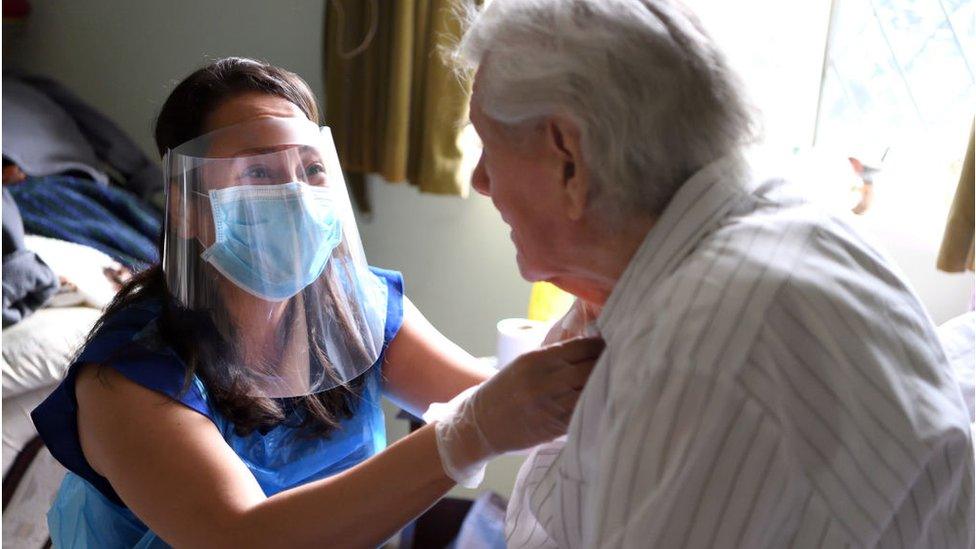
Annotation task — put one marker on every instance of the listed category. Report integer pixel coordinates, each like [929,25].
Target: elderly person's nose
[479,178]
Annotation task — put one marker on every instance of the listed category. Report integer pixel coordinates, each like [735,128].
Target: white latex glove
[579,321]
[443,413]
[527,403]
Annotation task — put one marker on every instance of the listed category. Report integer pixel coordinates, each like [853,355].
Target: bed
[78,197]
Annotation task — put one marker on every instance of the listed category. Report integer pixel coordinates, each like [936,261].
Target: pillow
[36,351]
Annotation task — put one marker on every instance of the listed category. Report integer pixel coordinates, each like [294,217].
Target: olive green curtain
[956,253]
[394,106]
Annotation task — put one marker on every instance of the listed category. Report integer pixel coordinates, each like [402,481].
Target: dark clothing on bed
[51,131]
[27,281]
[83,211]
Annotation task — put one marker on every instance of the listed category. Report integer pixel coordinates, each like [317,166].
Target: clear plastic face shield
[260,241]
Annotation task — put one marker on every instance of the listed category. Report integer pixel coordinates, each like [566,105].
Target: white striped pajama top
[769,381]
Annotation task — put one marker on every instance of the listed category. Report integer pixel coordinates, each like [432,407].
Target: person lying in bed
[230,395]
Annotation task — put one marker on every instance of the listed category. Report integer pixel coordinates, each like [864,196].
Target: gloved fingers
[550,425]
[555,334]
[557,428]
[545,360]
[566,402]
[577,350]
[572,376]
[560,409]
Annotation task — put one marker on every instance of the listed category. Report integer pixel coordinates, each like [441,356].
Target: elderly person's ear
[564,142]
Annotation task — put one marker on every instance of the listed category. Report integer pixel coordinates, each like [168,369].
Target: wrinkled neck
[599,259]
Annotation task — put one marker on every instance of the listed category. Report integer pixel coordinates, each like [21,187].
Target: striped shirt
[769,381]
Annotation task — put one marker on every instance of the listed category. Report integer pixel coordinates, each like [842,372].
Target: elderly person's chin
[533,264]
[536,269]
[528,271]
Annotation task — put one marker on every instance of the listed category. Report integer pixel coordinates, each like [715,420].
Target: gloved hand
[527,403]
[579,321]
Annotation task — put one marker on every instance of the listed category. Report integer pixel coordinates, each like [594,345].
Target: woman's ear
[564,139]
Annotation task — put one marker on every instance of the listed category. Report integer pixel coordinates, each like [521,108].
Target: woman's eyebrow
[307,153]
[303,149]
[260,150]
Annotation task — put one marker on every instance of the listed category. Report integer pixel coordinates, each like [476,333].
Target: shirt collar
[700,203]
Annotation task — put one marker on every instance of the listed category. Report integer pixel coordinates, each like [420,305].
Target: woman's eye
[315,174]
[256,172]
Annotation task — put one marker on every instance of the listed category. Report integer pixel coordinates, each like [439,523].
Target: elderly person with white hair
[770,379]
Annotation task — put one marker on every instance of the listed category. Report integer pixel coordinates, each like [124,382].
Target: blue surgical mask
[273,240]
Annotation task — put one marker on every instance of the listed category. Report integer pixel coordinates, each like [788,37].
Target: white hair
[653,96]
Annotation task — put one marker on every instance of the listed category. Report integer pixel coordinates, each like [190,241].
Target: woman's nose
[479,178]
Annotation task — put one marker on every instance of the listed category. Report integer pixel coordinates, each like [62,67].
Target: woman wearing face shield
[230,395]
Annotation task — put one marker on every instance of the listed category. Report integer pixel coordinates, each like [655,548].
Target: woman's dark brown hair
[191,333]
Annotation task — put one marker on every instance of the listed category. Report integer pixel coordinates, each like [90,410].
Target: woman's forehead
[304,150]
[250,106]
[255,140]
